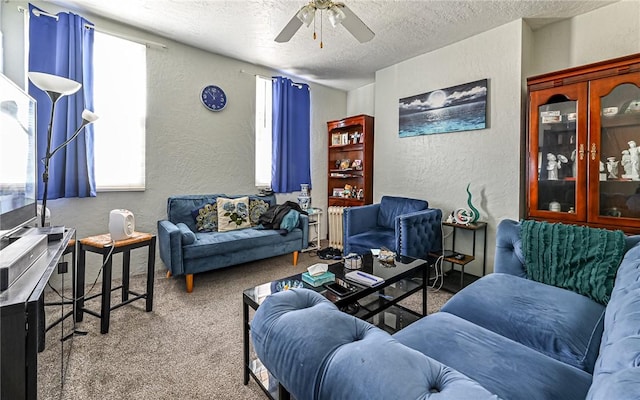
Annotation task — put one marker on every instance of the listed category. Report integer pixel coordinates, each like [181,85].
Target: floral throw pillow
[206,217]
[233,213]
[257,207]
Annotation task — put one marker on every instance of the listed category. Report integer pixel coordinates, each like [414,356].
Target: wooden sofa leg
[295,258]
[189,278]
[169,274]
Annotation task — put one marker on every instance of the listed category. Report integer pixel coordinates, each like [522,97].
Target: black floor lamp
[56,87]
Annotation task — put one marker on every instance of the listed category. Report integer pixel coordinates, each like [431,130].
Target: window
[120,99]
[263,132]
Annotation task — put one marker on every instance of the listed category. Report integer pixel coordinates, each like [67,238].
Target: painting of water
[458,108]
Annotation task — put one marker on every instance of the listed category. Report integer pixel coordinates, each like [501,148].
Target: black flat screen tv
[18,168]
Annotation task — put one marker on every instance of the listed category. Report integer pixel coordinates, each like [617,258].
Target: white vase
[304,187]
[304,202]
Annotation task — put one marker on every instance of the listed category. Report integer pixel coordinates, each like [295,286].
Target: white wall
[439,167]
[362,100]
[605,33]
[189,149]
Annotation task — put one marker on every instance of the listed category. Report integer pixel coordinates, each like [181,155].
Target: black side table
[102,244]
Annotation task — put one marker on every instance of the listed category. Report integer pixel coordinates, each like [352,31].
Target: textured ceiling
[245,29]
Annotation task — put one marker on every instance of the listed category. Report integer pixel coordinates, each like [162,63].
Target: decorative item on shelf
[360,194]
[571,210]
[353,261]
[56,87]
[465,216]
[337,192]
[609,111]
[613,212]
[345,164]
[347,190]
[571,117]
[634,155]
[627,164]
[357,165]
[335,139]
[304,200]
[554,206]
[612,167]
[344,139]
[633,107]
[554,164]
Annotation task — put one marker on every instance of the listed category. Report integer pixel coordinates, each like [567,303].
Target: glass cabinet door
[614,152]
[557,158]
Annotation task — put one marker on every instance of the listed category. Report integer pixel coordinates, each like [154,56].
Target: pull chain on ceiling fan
[338,14]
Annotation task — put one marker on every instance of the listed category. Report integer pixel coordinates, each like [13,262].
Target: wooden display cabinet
[350,161]
[583,166]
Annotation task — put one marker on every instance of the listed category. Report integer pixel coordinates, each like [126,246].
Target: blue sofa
[504,336]
[405,226]
[186,251]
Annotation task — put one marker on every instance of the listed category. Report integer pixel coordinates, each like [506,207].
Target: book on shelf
[318,280]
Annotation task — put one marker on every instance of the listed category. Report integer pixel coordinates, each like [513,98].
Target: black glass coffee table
[378,305]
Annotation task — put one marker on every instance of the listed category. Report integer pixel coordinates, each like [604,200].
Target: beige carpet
[188,347]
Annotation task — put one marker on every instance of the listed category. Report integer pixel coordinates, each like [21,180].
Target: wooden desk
[102,244]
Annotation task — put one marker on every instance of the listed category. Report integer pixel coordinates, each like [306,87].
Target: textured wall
[439,167]
[362,100]
[189,149]
[608,32]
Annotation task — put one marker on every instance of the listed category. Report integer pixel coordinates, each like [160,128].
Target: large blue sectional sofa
[505,336]
[186,251]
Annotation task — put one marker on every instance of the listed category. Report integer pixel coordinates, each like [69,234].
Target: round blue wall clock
[213,98]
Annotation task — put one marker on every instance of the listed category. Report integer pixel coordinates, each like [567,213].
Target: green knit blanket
[578,258]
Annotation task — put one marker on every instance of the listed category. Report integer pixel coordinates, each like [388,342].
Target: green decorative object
[474,211]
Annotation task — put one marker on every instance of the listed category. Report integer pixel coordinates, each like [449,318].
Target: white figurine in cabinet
[634,153]
[612,167]
[627,164]
[554,164]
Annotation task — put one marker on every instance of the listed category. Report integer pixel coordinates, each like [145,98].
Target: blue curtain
[64,47]
[291,120]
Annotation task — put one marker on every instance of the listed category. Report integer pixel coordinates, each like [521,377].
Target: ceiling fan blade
[355,26]
[292,27]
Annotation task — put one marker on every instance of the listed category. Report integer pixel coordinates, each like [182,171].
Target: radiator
[335,226]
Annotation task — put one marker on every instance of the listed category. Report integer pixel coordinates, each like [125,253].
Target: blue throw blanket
[578,258]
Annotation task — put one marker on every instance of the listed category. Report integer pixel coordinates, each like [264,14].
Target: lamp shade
[89,116]
[306,14]
[336,16]
[54,83]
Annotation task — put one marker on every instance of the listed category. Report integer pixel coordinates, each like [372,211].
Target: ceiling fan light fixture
[306,14]
[336,15]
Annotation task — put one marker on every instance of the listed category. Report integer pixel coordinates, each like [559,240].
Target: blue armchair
[407,226]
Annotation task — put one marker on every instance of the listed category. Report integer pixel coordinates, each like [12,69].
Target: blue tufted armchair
[407,226]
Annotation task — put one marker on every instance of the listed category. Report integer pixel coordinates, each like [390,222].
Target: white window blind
[120,100]
[263,132]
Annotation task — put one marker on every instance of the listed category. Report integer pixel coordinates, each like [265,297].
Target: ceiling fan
[338,14]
